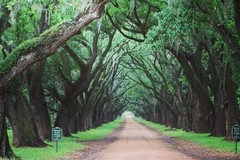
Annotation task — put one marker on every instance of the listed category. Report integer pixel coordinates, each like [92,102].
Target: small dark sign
[57,134]
[236,132]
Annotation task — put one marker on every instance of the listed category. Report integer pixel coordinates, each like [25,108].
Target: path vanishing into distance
[137,142]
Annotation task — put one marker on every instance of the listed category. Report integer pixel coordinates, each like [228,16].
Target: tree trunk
[36,93]
[96,117]
[202,120]
[237,15]
[62,121]
[216,85]
[204,116]
[38,49]
[171,119]
[220,121]
[38,103]
[74,124]
[46,44]
[23,125]
[83,123]
[5,149]
[165,117]
[231,105]
[188,118]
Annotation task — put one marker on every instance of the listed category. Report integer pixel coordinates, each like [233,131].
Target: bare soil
[134,141]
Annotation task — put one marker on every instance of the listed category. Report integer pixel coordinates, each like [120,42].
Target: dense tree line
[71,89]
[190,67]
[171,62]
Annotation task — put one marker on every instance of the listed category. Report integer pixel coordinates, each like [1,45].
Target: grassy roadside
[203,139]
[67,145]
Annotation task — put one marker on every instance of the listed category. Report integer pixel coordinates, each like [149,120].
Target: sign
[57,136]
[236,135]
[236,132]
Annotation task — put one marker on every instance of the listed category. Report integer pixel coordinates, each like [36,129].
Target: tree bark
[216,84]
[231,105]
[63,120]
[38,49]
[204,114]
[83,119]
[220,122]
[36,94]
[23,125]
[45,45]
[37,101]
[237,15]
[5,149]
[74,124]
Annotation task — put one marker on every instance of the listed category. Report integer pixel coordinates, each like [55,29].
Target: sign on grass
[236,132]
[57,134]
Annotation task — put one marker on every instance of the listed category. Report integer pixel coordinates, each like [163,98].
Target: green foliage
[235,65]
[134,18]
[8,62]
[27,46]
[54,31]
[174,25]
[10,4]
[20,35]
[177,25]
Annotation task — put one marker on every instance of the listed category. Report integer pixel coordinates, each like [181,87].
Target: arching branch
[45,45]
[119,29]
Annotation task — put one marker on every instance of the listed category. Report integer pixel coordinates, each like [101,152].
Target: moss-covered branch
[36,49]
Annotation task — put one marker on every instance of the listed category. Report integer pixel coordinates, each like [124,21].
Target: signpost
[57,134]
[236,135]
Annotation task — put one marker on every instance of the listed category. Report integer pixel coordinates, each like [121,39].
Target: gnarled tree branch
[45,45]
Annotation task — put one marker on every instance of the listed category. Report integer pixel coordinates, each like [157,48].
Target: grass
[203,139]
[67,145]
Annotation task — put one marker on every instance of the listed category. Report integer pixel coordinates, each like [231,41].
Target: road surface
[137,142]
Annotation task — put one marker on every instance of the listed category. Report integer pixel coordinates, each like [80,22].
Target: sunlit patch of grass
[203,139]
[67,145]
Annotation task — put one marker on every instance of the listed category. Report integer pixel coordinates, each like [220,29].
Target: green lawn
[67,145]
[203,139]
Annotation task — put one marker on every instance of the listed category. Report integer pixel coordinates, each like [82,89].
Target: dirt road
[136,142]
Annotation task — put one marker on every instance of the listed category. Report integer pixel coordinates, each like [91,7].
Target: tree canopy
[79,64]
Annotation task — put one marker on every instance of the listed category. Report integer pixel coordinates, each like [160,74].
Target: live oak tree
[88,71]
[199,56]
[205,45]
[36,49]
[171,62]
[26,131]
[157,75]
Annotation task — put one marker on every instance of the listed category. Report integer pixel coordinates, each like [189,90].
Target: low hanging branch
[36,49]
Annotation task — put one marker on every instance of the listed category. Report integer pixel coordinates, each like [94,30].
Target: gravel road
[136,142]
